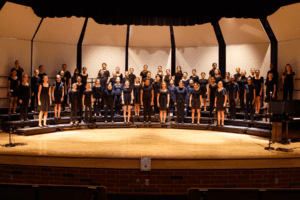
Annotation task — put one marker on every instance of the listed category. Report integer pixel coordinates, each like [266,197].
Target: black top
[80,89]
[203,83]
[147,91]
[270,86]
[121,76]
[87,97]
[143,74]
[242,82]
[58,86]
[125,79]
[288,81]
[257,84]
[131,79]
[97,91]
[172,91]
[180,94]
[160,76]
[196,93]
[151,80]
[118,89]
[237,76]
[186,82]
[35,82]
[74,79]
[106,74]
[225,83]
[127,92]
[195,78]
[19,72]
[24,91]
[41,77]
[14,84]
[213,90]
[109,97]
[156,86]
[112,81]
[178,77]
[73,96]
[136,89]
[218,78]
[67,75]
[233,89]
[103,82]
[167,79]
[212,72]
[163,94]
[249,91]
[83,79]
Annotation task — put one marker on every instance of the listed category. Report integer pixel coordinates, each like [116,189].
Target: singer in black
[97,94]
[24,98]
[57,95]
[180,101]
[75,76]
[156,86]
[233,95]
[171,89]
[288,80]
[13,90]
[163,99]
[220,102]
[194,76]
[87,100]
[250,98]
[84,76]
[195,102]
[203,87]
[80,90]
[109,102]
[73,103]
[177,76]
[147,98]
[143,74]
[117,87]
[258,85]
[44,100]
[127,100]
[242,81]
[270,86]
[211,95]
[137,96]
[189,88]
[41,73]
[167,78]
[35,82]
[132,77]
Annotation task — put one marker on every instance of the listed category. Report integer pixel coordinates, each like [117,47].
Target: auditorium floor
[168,148]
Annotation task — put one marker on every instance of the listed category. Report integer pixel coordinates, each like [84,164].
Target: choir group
[166,93]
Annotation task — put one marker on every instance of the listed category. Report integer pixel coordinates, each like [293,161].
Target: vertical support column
[37,29]
[126,48]
[222,48]
[274,43]
[173,51]
[79,46]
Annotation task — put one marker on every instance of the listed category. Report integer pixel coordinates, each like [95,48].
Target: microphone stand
[269,147]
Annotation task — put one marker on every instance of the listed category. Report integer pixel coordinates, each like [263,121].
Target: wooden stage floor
[167,148]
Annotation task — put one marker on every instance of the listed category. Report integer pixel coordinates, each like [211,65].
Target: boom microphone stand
[269,147]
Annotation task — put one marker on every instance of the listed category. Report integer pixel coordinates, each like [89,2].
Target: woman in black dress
[288,80]
[127,100]
[73,102]
[126,78]
[44,99]
[147,97]
[211,94]
[258,85]
[203,87]
[177,76]
[137,95]
[84,76]
[87,101]
[80,90]
[97,94]
[167,77]
[35,81]
[13,90]
[220,102]
[119,74]
[64,81]
[24,98]
[196,102]
[117,87]
[194,76]
[163,99]
[250,98]
[270,86]
[57,95]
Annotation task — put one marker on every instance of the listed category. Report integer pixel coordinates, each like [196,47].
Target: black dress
[203,83]
[14,86]
[127,95]
[196,98]
[195,78]
[220,99]
[167,79]
[178,77]
[44,98]
[288,86]
[137,93]
[270,87]
[57,92]
[257,85]
[163,100]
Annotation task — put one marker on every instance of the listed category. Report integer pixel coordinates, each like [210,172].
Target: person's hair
[137,78]
[84,68]
[285,70]
[58,76]
[104,64]
[159,67]
[109,84]
[244,71]
[203,73]
[41,66]
[74,84]
[149,72]
[163,83]
[75,71]
[62,72]
[220,82]
[16,61]
[13,70]
[228,73]
[157,76]
[185,73]
[88,84]
[130,69]
[213,78]
[63,65]
[79,77]
[214,64]
[257,70]
[145,66]
[24,75]
[168,70]
[194,70]
[179,68]
[36,70]
[44,77]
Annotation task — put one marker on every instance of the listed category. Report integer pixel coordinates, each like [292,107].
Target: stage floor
[167,148]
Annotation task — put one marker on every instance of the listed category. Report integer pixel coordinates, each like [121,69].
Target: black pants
[171,106]
[180,112]
[156,109]
[118,104]
[242,99]
[111,109]
[64,102]
[187,107]
[232,109]
[79,107]
[90,112]
[249,105]
[211,104]
[147,109]
[24,109]
[74,105]
[286,90]
[97,106]
[34,101]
